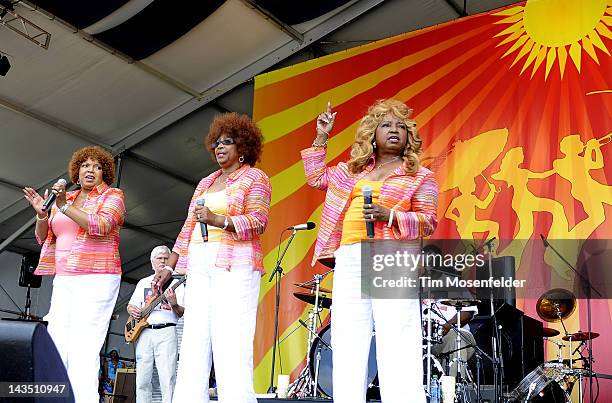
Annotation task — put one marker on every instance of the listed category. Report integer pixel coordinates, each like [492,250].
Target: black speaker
[27,278]
[522,344]
[29,355]
[503,266]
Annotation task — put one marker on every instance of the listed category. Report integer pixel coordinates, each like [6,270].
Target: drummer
[446,317]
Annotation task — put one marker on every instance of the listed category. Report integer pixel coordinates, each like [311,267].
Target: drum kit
[554,380]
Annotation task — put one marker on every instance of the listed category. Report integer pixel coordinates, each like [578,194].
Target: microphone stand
[498,360]
[278,273]
[588,287]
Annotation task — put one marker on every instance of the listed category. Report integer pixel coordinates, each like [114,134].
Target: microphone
[308,226]
[546,244]
[489,242]
[203,226]
[367,199]
[52,196]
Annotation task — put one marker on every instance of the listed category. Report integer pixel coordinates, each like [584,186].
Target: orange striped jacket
[248,193]
[413,197]
[95,250]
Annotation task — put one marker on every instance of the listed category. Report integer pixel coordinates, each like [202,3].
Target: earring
[78,182]
[374,145]
[241,159]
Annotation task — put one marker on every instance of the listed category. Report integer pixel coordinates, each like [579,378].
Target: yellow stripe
[305,112]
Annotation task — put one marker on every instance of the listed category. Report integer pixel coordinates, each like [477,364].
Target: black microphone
[308,226]
[52,196]
[367,199]
[546,244]
[203,226]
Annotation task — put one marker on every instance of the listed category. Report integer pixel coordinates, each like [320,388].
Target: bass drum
[324,383]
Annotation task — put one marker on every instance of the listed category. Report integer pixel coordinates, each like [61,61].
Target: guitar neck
[153,304]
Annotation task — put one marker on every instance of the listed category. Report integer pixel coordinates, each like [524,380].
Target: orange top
[353,227]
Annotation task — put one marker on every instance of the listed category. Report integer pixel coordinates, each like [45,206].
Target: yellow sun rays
[549,31]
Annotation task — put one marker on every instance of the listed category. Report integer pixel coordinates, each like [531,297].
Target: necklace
[385,163]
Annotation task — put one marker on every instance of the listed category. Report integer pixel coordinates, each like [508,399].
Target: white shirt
[163,312]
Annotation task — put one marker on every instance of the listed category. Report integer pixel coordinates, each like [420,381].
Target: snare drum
[544,383]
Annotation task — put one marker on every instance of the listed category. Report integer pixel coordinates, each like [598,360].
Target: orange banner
[515,111]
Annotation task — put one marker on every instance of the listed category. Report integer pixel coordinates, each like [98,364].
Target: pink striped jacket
[414,199]
[95,250]
[248,193]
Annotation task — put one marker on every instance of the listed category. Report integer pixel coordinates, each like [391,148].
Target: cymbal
[325,302]
[312,287]
[554,303]
[460,302]
[581,336]
[550,332]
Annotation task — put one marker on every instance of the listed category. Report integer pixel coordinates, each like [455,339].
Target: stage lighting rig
[13,21]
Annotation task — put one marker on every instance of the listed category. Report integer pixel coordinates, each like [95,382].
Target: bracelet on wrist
[64,208]
[225,223]
[315,144]
[42,219]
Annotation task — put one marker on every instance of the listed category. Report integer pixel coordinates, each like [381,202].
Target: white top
[448,312]
[163,313]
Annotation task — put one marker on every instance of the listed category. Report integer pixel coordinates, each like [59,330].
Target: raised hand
[325,121]
[35,200]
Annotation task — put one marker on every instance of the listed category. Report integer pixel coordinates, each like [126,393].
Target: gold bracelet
[42,219]
[314,144]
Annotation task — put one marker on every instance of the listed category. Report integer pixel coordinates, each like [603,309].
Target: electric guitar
[134,326]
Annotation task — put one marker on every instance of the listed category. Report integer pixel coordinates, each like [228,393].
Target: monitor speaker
[29,355]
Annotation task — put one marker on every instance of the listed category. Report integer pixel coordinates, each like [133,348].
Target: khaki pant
[449,343]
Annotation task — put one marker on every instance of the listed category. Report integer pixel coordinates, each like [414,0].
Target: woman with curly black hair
[80,246]
[224,266]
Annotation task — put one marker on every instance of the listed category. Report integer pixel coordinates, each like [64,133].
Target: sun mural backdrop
[515,110]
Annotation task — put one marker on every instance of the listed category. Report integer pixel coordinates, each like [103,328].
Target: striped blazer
[413,197]
[247,193]
[95,250]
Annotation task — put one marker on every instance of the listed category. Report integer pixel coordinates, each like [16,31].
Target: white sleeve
[138,295]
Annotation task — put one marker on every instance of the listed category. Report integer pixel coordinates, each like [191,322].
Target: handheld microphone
[52,196]
[546,244]
[203,226]
[308,226]
[367,199]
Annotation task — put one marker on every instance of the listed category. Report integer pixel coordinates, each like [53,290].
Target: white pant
[220,315]
[398,338]
[156,347]
[80,311]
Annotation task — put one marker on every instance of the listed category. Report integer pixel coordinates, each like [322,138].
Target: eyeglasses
[225,142]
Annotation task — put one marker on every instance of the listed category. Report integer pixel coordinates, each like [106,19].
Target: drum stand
[306,383]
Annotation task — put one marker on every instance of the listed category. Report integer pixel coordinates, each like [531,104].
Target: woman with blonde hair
[384,157]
